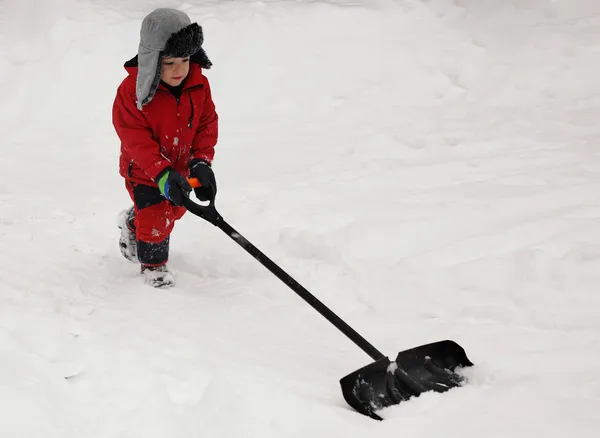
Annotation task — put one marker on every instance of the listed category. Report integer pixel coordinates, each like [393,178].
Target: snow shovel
[383,383]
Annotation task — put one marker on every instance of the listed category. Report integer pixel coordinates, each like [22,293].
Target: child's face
[175,70]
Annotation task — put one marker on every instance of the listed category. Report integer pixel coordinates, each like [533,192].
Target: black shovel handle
[210,214]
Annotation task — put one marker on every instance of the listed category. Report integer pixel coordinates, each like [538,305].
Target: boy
[165,118]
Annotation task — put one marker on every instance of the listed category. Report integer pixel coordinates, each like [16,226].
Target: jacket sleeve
[203,145]
[136,134]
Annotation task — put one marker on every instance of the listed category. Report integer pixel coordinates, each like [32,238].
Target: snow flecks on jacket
[142,132]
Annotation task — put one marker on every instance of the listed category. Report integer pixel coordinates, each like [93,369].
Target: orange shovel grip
[194,183]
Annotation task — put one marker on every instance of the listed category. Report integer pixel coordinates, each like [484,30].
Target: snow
[428,169]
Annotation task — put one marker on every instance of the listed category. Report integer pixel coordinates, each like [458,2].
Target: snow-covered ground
[428,169]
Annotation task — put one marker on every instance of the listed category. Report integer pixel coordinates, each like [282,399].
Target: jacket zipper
[191,121]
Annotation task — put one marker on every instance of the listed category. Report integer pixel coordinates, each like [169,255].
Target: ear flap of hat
[201,58]
[148,76]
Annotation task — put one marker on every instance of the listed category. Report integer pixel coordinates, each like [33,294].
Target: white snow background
[428,169]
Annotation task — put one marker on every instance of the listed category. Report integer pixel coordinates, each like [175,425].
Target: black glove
[173,185]
[202,171]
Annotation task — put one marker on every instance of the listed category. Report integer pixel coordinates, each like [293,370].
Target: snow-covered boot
[127,243]
[158,276]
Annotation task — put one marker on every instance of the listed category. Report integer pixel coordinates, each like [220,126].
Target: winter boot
[158,276]
[127,243]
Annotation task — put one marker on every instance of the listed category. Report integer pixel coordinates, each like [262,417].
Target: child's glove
[173,185]
[201,170]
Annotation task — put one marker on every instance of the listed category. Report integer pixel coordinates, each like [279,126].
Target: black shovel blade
[384,383]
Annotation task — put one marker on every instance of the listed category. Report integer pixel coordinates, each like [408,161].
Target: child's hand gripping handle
[207,212]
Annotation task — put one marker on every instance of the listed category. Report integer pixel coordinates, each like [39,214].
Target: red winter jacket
[167,131]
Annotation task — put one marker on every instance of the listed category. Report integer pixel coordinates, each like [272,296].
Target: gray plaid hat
[165,33]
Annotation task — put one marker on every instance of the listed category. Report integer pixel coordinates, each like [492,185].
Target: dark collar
[175,91]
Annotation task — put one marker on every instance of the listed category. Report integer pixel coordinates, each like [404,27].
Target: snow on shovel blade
[383,383]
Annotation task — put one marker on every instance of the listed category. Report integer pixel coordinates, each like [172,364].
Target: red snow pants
[154,218]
